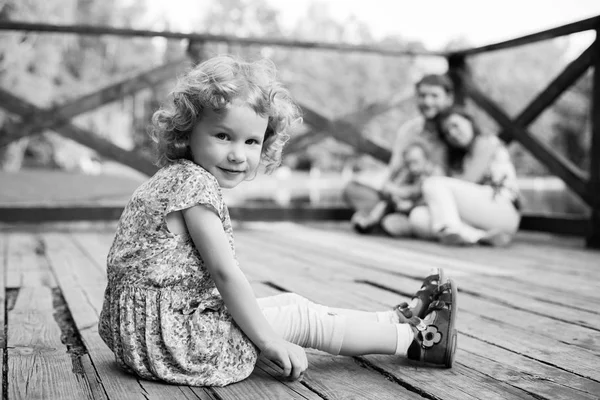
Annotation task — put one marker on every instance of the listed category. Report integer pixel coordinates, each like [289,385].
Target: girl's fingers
[286,365]
[299,364]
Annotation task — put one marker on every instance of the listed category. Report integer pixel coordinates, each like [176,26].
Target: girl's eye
[252,141]
[221,136]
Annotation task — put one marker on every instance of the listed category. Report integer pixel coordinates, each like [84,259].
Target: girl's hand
[289,357]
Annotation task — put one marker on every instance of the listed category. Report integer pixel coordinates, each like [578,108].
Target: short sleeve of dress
[197,188]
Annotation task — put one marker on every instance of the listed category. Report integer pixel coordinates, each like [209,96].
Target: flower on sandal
[431,336]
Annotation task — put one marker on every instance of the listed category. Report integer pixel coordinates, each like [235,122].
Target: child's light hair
[214,84]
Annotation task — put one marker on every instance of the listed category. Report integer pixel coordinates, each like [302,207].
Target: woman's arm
[210,239]
[479,159]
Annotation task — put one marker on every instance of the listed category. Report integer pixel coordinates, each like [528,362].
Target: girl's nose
[236,155]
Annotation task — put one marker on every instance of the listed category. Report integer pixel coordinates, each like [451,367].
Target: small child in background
[178,308]
[402,192]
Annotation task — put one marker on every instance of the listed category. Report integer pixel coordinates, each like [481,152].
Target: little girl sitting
[177,307]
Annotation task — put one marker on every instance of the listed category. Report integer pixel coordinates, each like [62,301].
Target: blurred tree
[72,66]
[31,64]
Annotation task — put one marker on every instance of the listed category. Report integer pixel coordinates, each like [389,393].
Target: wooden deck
[529,319]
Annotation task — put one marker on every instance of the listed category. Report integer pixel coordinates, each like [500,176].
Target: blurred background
[48,69]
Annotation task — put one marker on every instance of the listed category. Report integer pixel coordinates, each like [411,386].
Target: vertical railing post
[457,69]
[197,51]
[593,238]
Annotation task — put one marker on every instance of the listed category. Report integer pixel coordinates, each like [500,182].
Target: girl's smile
[228,144]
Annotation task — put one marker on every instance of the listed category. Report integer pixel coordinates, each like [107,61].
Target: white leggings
[336,330]
[307,324]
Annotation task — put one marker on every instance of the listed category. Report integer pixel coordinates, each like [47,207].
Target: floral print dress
[162,315]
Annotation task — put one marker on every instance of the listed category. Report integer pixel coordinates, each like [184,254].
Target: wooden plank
[4,243]
[593,189]
[391,259]
[93,30]
[105,148]
[396,259]
[38,364]
[557,164]
[26,265]
[82,286]
[58,115]
[574,27]
[263,385]
[45,213]
[545,98]
[535,377]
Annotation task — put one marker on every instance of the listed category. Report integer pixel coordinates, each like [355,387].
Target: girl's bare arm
[210,239]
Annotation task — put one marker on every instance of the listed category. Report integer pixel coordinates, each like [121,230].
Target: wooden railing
[586,184]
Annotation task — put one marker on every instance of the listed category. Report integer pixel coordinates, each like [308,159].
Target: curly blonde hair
[214,84]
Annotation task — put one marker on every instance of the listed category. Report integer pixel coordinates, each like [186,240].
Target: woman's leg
[468,208]
[336,331]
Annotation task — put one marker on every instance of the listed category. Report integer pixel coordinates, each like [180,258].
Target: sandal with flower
[435,335]
[422,299]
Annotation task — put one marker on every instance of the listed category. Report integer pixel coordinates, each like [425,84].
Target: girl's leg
[285,299]
[336,331]
[468,208]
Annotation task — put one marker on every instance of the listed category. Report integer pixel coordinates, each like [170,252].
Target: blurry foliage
[51,68]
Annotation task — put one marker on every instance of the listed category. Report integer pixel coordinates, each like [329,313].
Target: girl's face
[458,130]
[229,144]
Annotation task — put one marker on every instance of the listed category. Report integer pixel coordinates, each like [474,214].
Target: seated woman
[479,201]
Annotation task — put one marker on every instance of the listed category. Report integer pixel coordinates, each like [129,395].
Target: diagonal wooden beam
[102,146]
[558,165]
[300,142]
[56,116]
[557,87]
[345,132]
[358,119]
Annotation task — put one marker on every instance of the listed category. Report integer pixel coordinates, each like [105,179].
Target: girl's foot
[420,302]
[435,337]
[495,238]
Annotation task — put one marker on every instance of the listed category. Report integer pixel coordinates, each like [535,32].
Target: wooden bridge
[529,326]
[528,317]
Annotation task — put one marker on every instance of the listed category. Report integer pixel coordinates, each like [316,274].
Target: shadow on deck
[528,317]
